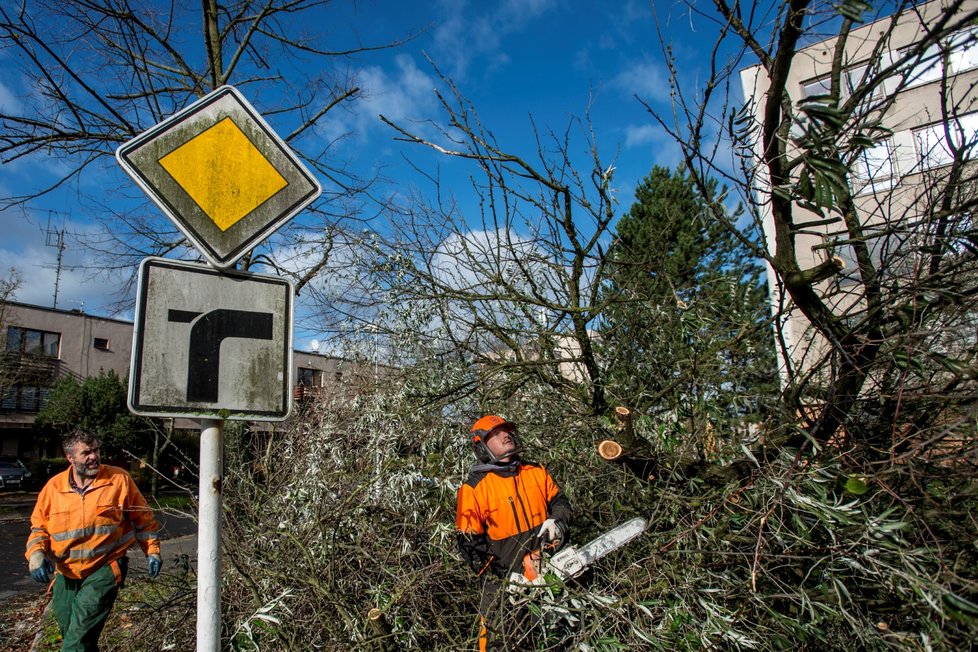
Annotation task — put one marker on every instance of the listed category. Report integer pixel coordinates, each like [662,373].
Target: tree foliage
[96,404]
[878,344]
[688,330]
[513,287]
[791,536]
[10,368]
[339,535]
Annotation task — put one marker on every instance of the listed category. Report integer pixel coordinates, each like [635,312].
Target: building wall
[879,196]
[78,353]
[322,376]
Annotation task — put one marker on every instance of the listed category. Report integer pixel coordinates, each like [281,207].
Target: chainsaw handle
[532,563]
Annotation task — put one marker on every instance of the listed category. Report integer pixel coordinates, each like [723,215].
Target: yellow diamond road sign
[221,174]
[195,164]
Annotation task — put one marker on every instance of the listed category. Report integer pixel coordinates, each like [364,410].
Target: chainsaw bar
[571,561]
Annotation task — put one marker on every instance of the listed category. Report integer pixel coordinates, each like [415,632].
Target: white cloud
[404,93]
[81,285]
[476,30]
[478,260]
[636,135]
[525,10]
[662,149]
[8,101]
[632,20]
[326,302]
[648,80]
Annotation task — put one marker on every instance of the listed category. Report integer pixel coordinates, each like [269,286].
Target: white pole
[209,536]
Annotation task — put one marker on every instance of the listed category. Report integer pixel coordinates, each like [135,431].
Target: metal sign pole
[209,536]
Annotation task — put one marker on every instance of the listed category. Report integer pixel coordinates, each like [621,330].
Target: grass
[19,616]
[179,502]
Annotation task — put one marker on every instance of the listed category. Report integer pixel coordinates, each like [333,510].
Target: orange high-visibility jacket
[500,511]
[82,533]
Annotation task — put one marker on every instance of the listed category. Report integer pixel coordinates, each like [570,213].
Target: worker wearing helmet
[508,509]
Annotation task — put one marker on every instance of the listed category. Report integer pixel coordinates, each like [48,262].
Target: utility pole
[56,238]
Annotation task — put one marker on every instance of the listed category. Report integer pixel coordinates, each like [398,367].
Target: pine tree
[686,332]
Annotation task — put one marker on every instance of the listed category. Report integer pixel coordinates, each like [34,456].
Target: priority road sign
[211,344]
[221,174]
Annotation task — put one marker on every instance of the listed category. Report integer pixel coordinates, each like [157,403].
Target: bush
[349,508]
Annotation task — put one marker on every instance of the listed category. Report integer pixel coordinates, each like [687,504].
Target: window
[926,69]
[875,166]
[821,86]
[101,343]
[309,377]
[933,149]
[962,55]
[33,342]
[34,353]
[964,51]
[960,237]
[875,162]
[887,249]
[959,51]
[851,78]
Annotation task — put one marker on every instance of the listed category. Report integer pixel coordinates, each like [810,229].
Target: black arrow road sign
[210,343]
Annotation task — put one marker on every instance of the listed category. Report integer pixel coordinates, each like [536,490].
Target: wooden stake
[610,450]
[626,430]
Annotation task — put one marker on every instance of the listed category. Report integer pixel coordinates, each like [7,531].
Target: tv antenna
[56,238]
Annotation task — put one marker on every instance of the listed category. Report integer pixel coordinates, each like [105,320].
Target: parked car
[12,475]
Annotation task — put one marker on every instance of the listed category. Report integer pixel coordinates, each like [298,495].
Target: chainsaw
[574,560]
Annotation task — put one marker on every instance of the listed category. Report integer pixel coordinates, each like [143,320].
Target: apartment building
[45,344]
[929,109]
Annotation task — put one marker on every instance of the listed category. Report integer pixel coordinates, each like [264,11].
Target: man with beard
[85,520]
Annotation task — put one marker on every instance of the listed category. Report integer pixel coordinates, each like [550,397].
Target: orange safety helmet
[481,429]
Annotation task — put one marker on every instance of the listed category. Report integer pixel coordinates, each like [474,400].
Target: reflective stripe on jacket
[500,510]
[82,533]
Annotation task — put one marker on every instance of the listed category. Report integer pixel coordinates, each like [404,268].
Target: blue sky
[545,60]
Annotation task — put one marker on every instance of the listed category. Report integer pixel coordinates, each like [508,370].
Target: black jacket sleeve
[560,510]
[474,549]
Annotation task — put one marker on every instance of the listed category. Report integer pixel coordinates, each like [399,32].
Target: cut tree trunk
[624,449]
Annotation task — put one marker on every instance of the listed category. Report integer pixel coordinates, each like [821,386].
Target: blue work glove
[154,563]
[41,568]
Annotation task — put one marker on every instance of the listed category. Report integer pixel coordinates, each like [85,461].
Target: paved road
[179,537]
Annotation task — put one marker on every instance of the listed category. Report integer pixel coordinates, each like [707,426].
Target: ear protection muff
[482,452]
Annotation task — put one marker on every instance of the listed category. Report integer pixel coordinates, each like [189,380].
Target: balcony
[26,379]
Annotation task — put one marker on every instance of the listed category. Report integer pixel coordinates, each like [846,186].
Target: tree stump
[379,631]
[624,450]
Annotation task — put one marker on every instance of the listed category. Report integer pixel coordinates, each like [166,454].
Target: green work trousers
[82,606]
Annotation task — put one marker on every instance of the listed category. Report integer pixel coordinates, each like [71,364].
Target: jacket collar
[502,469]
